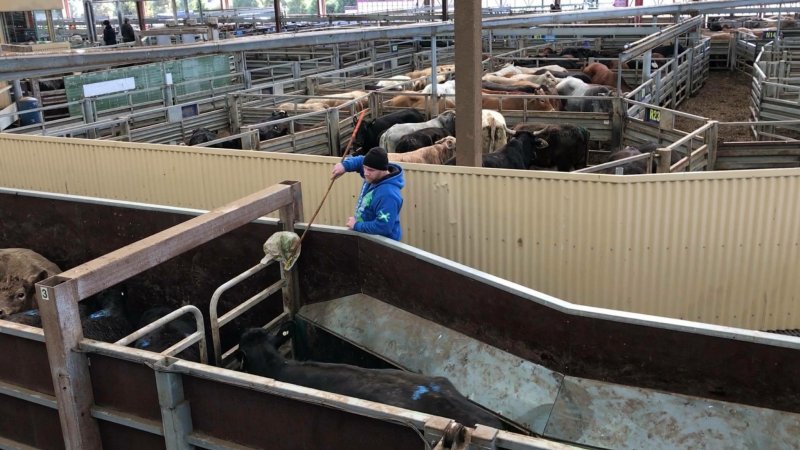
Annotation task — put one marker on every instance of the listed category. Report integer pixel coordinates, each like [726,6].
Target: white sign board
[109,87]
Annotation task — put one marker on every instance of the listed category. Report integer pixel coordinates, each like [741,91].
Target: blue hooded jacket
[378,206]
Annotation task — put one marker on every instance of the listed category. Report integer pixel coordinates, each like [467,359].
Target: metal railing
[197,337]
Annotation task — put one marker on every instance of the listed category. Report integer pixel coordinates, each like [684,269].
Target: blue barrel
[29,118]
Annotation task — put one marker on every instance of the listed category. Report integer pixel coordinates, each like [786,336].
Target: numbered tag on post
[652,115]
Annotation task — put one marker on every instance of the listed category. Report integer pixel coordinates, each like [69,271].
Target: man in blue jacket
[379,204]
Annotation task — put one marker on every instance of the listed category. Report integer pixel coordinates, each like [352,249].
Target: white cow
[395,83]
[390,137]
[494,132]
[446,88]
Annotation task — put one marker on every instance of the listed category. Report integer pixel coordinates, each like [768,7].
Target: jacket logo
[383,216]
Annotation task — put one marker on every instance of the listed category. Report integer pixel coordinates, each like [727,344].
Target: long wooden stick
[330,185]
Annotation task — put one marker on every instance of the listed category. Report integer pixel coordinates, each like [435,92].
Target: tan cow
[334,100]
[443,69]
[438,153]
[302,107]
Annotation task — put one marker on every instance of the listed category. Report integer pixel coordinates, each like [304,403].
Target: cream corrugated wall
[718,247]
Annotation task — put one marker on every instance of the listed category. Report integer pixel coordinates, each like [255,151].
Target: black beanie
[376,158]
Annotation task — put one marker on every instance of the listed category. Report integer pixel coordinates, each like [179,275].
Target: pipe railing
[197,337]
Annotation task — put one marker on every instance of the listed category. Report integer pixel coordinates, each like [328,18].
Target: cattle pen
[497,342]
[579,309]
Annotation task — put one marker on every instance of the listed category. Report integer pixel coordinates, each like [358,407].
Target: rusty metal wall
[716,247]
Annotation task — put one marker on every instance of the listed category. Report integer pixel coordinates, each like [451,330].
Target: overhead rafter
[22,66]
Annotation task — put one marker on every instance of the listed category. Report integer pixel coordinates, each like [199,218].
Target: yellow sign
[652,115]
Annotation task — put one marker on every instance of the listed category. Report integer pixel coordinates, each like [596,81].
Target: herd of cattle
[574,84]
[104,318]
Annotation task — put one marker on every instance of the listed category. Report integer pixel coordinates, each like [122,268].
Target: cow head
[362,133]
[18,293]
[281,114]
[448,121]
[448,148]
[258,350]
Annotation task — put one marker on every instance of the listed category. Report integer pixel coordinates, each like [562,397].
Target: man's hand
[338,170]
[351,222]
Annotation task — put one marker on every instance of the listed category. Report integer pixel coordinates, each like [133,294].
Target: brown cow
[418,102]
[601,74]
[496,102]
[437,153]
[20,270]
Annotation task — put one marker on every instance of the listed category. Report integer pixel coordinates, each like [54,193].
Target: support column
[278,25]
[61,322]
[51,31]
[140,14]
[175,411]
[91,29]
[290,214]
[468,87]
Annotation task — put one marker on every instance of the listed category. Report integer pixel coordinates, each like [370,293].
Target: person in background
[127,32]
[109,35]
[379,204]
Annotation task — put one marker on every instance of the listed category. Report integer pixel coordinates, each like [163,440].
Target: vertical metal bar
[17,89]
[617,122]
[711,141]
[335,144]
[234,103]
[290,214]
[433,106]
[58,306]
[176,415]
[664,160]
[51,31]
[468,88]
[88,11]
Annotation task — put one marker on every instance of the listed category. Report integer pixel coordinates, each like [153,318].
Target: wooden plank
[92,277]
[733,153]
[58,305]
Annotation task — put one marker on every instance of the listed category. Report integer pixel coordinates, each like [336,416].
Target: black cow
[578,52]
[370,131]
[518,153]
[422,138]
[497,87]
[169,334]
[203,135]
[669,50]
[568,145]
[432,395]
[581,76]
[638,167]
[103,316]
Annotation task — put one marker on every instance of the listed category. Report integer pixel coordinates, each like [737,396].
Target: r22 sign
[652,115]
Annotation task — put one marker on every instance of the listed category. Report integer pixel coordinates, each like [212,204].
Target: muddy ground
[725,97]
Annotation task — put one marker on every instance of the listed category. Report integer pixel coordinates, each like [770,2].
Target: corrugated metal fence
[717,247]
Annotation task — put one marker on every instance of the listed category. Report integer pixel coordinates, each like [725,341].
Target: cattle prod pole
[468,87]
